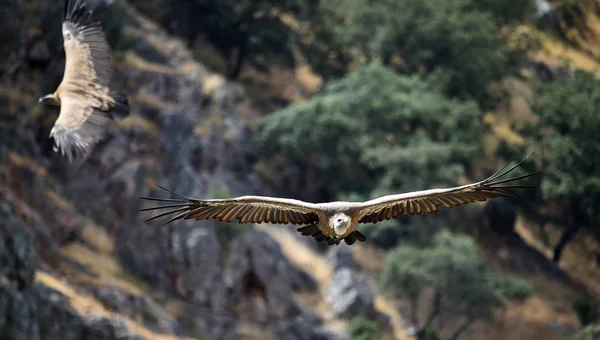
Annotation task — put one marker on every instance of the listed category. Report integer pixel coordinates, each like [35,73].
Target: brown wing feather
[87,52]
[430,201]
[245,209]
[78,126]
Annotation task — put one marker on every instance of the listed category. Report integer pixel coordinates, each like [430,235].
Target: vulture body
[86,101]
[335,221]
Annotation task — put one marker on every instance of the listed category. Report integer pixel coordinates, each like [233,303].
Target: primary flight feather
[336,221]
[86,101]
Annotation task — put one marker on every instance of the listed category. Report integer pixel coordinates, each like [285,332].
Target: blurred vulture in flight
[336,221]
[85,99]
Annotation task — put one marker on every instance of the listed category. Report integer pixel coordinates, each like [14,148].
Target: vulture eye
[339,220]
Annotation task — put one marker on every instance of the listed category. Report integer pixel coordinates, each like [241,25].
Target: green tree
[566,136]
[371,133]
[452,40]
[360,328]
[514,288]
[455,271]
[253,32]
[506,11]
[591,332]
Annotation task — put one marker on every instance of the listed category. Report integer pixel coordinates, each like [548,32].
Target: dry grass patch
[88,307]
[150,100]
[133,60]
[140,123]
[23,161]
[555,52]
[578,258]
[97,237]
[501,128]
[89,231]
[109,271]
[369,259]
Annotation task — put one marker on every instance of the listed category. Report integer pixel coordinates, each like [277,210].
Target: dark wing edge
[245,209]
[429,201]
[86,29]
[121,109]
[76,12]
[75,142]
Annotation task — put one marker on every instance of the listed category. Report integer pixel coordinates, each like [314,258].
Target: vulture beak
[50,98]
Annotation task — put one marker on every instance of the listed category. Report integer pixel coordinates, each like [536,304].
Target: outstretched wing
[87,52]
[245,209]
[429,201]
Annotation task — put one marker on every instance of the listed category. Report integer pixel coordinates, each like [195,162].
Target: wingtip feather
[174,193]
[77,12]
[501,173]
[165,214]
[180,206]
[68,143]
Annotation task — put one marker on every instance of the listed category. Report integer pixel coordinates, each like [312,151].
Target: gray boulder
[18,259]
[256,264]
[340,257]
[300,328]
[351,294]
[137,308]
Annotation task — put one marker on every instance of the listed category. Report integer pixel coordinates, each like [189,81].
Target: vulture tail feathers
[359,236]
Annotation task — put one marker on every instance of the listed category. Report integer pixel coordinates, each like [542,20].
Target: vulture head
[340,223]
[51,99]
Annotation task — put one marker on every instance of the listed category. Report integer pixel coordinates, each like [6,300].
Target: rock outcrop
[351,294]
[340,257]
[257,267]
[18,303]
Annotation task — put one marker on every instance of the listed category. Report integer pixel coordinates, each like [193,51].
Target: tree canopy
[394,132]
[590,332]
[243,32]
[360,328]
[456,41]
[566,139]
[456,272]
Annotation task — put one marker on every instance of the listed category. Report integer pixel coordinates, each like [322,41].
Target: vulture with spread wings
[336,221]
[86,101]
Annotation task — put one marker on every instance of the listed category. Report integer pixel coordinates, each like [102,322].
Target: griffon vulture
[336,221]
[86,101]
